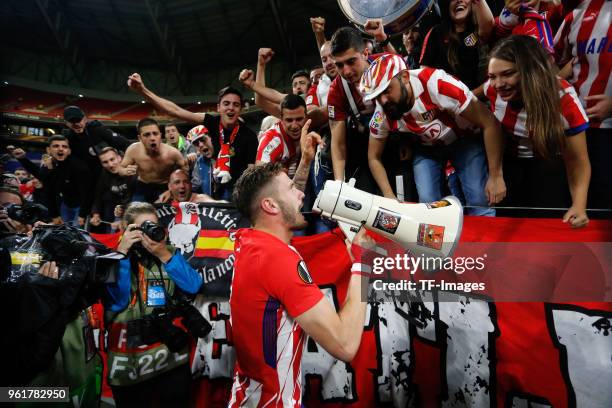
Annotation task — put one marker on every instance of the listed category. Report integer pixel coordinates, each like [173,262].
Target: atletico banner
[204,235]
[466,352]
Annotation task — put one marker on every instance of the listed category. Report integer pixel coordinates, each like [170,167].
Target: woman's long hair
[454,40]
[539,90]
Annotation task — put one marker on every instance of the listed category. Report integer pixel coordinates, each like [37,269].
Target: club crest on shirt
[428,116]
[331,112]
[471,40]
[309,99]
[303,272]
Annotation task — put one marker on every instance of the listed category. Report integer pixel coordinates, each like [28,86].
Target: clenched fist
[135,83]
[247,77]
[318,24]
[265,55]
[376,29]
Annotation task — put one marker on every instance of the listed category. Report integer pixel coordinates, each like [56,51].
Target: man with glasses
[202,180]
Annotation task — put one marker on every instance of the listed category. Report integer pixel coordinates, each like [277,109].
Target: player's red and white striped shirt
[586,36]
[513,117]
[271,286]
[439,100]
[276,145]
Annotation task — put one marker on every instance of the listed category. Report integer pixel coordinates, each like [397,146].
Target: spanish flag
[214,244]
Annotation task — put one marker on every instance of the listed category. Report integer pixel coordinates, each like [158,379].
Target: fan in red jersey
[439,110]
[281,143]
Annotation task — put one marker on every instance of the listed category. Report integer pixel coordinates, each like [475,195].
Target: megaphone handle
[349,230]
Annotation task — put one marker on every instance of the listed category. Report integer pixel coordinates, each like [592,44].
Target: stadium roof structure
[181,47]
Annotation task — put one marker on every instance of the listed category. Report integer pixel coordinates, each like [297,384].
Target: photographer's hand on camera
[131,236]
[11,226]
[157,249]
[50,270]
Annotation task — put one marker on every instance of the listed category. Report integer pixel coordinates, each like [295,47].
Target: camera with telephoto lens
[158,327]
[153,230]
[28,213]
[84,265]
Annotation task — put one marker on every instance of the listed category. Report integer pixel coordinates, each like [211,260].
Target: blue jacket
[183,274]
[202,179]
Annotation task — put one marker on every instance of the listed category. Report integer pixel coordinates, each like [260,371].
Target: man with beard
[112,190]
[438,109]
[66,182]
[235,144]
[274,301]
[152,161]
[179,189]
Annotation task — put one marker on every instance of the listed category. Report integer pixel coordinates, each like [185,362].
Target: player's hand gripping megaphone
[425,229]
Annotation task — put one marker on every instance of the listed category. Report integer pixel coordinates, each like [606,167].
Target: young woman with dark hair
[546,122]
[455,45]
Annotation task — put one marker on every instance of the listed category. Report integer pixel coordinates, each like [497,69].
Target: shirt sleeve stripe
[575,130]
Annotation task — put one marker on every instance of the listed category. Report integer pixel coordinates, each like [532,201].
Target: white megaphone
[425,229]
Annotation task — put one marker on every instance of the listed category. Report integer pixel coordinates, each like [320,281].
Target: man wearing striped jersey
[438,109]
[281,143]
[274,301]
[584,41]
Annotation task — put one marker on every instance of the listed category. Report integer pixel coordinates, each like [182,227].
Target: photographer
[147,353]
[23,355]
[10,196]
[48,332]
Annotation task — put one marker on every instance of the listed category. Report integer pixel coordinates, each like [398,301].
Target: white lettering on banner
[337,379]
[206,363]
[464,330]
[219,270]
[468,329]
[528,402]
[584,340]
[463,333]
[393,348]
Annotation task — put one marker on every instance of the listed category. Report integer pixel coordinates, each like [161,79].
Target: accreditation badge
[156,294]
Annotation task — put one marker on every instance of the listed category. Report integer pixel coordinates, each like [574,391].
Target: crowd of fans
[496,110]
[452,155]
